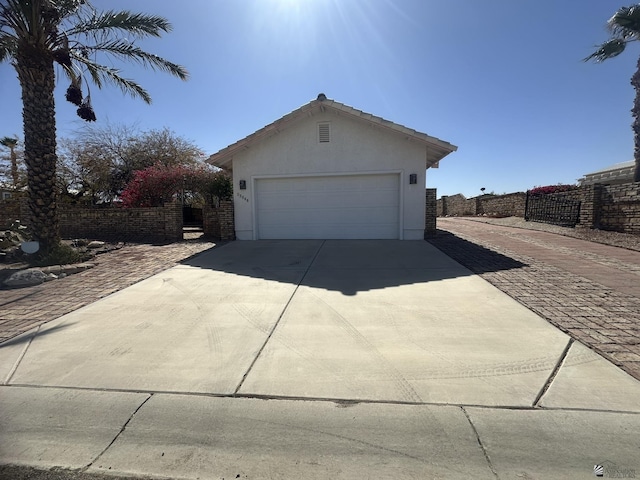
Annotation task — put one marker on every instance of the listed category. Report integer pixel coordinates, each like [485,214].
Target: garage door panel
[382,199]
[335,183]
[327,216]
[331,233]
[353,206]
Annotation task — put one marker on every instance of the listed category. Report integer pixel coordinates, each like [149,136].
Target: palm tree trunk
[37,79]
[635,112]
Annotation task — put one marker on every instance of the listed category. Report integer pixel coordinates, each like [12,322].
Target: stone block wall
[12,210]
[163,224]
[618,207]
[589,206]
[608,207]
[219,221]
[456,206]
[509,205]
[430,212]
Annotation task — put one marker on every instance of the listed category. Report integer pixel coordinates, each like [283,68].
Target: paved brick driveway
[588,290]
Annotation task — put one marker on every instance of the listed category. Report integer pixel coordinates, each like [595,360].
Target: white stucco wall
[355,147]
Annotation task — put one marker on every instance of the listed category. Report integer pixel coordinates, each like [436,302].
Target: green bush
[61,254]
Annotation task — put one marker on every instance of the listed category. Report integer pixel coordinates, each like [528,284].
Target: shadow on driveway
[352,266]
[475,257]
[27,337]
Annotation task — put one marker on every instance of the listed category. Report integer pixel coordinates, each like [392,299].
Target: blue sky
[501,79]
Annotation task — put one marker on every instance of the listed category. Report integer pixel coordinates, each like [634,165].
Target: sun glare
[286,24]
[293,7]
[291,3]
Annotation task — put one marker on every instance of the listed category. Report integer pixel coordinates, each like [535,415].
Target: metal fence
[552,209]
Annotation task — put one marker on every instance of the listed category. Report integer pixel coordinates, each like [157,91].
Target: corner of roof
[224,157]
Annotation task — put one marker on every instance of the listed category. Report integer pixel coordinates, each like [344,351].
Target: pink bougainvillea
[154,186]
[551,189]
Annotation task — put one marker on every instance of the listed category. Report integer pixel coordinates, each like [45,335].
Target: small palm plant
[11,143]
[35,35]
[624,27]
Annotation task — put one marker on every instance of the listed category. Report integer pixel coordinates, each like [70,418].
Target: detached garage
[329,171]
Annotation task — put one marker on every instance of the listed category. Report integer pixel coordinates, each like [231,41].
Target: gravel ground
[616,239]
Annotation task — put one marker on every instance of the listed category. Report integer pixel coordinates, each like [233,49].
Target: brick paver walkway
[588,290]
[25,308]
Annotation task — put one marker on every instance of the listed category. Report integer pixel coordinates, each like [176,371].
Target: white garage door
[349,206]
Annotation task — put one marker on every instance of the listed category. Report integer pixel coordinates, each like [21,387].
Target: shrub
[552,189]
[60,254]
[154,186]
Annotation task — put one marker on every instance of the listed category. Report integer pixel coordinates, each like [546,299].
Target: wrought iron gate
[552,209]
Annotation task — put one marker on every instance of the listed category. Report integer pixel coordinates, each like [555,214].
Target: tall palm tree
[37,34]
[10,143]
[624,27]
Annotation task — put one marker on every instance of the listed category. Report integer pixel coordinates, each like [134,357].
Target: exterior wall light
[243,184]
[413,178]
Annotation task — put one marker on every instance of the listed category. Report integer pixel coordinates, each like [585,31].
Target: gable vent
[324,133]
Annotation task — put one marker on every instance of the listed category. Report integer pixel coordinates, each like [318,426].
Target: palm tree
[35,35]
[10,143]
[624,27]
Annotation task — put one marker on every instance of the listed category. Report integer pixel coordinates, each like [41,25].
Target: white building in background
[618,173]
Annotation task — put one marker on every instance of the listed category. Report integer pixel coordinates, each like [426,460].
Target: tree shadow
[26,337]
[475,257]
[352,266]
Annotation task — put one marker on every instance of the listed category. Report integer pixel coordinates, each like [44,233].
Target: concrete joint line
[124,427]
[554,372]
[246,374]
[19,360]
[479,440]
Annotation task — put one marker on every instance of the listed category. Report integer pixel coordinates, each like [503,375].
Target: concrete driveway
[379,358]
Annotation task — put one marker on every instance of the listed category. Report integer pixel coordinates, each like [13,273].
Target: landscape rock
[25,278]
[85,266]
[69,269]
[79,242]
[95,244]
[55,269]
[10,241]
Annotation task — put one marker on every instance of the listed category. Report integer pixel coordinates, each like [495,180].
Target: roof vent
[322,97]
[324,133]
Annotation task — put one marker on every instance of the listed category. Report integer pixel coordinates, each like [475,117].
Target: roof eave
[436,149]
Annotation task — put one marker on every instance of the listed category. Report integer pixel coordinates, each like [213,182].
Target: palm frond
[8,47]
[9,142]
[138,24]
[609,49]
[625,23]
[16,16]
[68,7]
[128,51]
[101,74]
[35,20]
